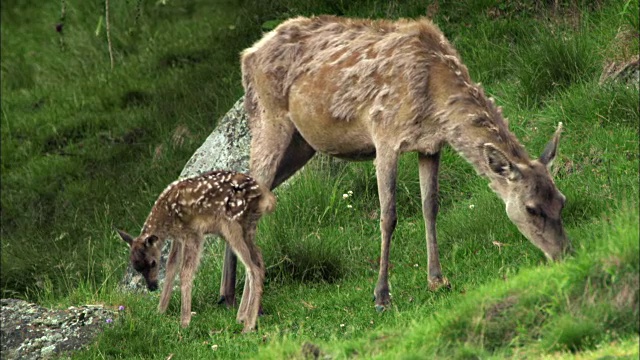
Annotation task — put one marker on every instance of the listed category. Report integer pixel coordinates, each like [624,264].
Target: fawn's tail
[267,202]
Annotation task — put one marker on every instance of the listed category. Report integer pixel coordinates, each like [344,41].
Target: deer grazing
[219,202]
[364,89]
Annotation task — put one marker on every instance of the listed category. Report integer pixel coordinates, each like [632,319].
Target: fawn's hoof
[240,319]
[439,283]
[248,330]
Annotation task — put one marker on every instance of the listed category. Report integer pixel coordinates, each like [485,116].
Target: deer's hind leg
[386,172]
[228,281]
[428,166]
[297,154]
[287,152]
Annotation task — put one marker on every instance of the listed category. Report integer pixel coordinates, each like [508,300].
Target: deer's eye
[153,263]
[532,211]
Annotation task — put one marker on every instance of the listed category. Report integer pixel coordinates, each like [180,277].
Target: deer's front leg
[386,169]
[228,282]
[191,258]
[175,255]
[429,165]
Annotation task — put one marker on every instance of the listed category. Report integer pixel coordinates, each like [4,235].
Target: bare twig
[106,19]
[63,10]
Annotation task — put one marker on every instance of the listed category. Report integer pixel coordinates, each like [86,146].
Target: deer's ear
[550,151]
[126,237]
[499,163]
[150,240]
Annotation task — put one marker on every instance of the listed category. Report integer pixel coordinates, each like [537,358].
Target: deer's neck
[471,120]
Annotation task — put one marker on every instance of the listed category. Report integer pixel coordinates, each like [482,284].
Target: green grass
[85,147]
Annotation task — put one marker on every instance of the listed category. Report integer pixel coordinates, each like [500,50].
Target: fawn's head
[145,256]
[533,202]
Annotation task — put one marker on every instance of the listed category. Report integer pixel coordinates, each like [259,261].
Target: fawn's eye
[153,263]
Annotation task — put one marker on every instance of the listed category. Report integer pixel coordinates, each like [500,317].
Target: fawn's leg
[254,307]
[173,261]
[428,165]
[235,237]
[192,249]
[255,301]
[247,294]
[386,168]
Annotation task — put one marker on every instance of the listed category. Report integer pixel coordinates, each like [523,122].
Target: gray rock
[30,331]
[226,148]
[625,72]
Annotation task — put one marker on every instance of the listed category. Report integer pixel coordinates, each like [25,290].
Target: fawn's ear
[499,163]
[150,240]
[550,151]
[126,237]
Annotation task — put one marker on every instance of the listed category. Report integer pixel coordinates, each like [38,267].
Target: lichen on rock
[30,331]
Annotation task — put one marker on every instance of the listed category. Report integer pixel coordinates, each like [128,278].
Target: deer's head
[533,202]
[145,256]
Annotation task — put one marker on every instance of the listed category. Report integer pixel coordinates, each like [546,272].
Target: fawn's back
[207,199]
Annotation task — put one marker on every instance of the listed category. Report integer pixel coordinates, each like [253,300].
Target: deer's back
[340,80]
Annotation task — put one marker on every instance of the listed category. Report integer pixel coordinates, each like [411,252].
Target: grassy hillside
[86,147]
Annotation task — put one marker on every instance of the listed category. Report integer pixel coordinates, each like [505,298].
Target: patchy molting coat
[389,77]
[363,89]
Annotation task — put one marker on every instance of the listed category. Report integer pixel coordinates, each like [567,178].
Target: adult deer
[364,89]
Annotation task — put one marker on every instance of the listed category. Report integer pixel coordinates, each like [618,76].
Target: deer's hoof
[439,283]
[382,298]
[228,301]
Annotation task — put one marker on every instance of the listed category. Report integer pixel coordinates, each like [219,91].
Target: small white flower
[415,265]
[344,196]
[350,192]
[341,325]
[214,347]
[349,206]
[471,206]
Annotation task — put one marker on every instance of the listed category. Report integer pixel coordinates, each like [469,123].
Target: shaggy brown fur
[219,202]
[360,89]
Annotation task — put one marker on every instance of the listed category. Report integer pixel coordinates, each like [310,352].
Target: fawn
[222,203]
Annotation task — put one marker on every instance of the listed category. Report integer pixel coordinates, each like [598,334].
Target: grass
[85,147]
